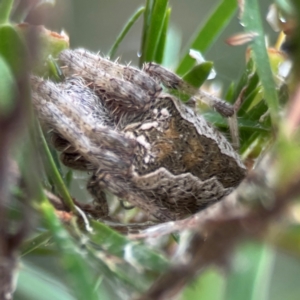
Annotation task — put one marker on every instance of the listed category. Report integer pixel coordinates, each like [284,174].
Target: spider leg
[83,128]
[69,156]
[172,81]
[110,152]
[122,88]
[76,161]
[79,131]
[100,209]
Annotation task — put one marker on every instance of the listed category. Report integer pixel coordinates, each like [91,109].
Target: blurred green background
[95,24]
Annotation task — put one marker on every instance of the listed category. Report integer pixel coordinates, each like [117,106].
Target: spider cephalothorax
[143,144]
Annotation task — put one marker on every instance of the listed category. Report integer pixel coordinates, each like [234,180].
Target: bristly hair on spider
[142,143]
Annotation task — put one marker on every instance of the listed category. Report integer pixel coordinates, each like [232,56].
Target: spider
[142,144]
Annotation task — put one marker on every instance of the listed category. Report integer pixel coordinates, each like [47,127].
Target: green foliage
[260,56]
[55,175]
[208,32]
[198,74]
[12,48]
[154,30]
[252,281]
[6,88]
[5,10]
[131,21]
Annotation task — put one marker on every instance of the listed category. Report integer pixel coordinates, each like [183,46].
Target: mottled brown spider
[142,144]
